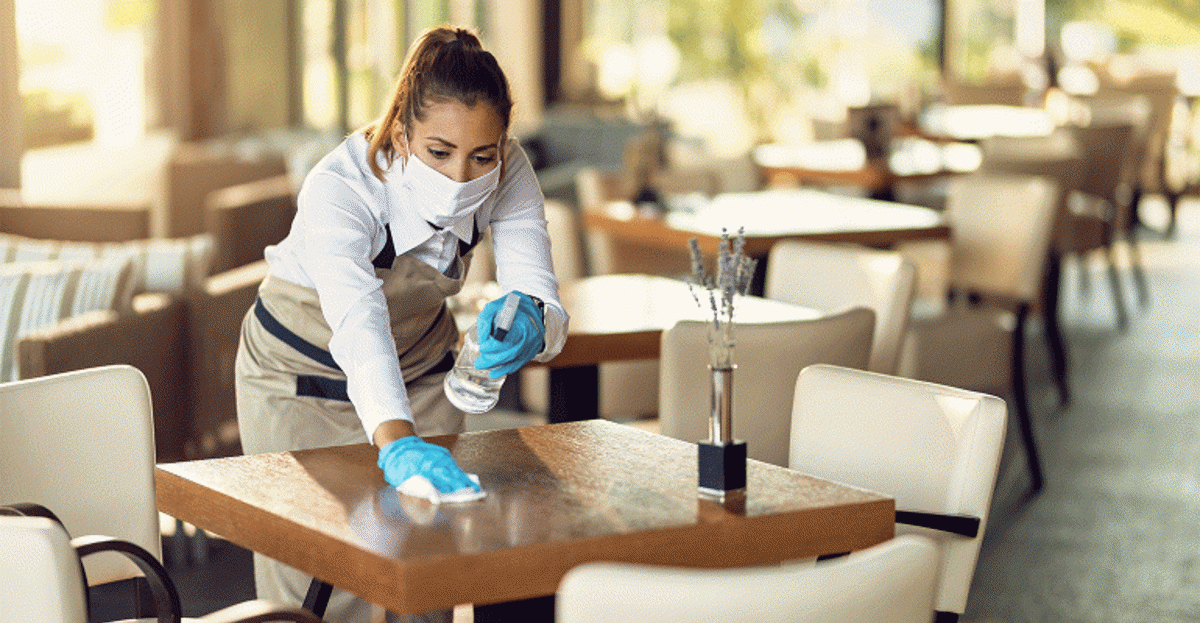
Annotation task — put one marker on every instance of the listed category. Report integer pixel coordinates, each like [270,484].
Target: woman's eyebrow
[447,143]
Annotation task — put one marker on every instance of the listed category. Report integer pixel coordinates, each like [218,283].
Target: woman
[350,338]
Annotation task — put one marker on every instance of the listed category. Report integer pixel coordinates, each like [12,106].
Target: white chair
[768,356]
[935,449]
[832,278]
[81,444]
[627,388]
[41,579]
[892,581]
[1002,228]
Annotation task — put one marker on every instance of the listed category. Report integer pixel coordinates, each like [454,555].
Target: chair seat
[962,347]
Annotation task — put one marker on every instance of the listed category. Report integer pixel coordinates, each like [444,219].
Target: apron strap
[304,347]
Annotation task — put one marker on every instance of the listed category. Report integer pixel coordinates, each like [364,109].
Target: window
[83,70]
[764,70]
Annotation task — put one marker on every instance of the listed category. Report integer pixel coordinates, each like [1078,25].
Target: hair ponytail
[443,64]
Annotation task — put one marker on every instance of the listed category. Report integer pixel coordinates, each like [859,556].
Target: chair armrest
[246,218]
[166,597]
[962,525]
[29,509]
[150,339]
[260,611]
[215,315]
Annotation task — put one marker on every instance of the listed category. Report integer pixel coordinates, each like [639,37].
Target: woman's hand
[525,339]
[411,456]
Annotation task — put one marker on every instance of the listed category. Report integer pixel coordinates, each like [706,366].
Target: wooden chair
[935,449]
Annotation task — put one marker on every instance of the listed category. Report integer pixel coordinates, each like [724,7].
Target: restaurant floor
[1115,534]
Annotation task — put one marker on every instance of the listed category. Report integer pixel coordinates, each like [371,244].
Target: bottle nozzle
[504,318]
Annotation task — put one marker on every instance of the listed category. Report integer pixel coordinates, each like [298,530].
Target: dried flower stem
[734,272]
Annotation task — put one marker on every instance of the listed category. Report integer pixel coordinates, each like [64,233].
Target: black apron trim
[322,387]
[388,255]
[304,347]
[335,389]
[465,247]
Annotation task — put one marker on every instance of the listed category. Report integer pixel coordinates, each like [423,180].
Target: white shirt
[342,209]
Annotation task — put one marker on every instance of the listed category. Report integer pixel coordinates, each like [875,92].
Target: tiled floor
[1115,535]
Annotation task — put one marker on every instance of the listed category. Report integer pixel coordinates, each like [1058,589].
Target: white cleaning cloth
[420,487]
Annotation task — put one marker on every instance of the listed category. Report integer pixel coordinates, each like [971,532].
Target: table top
[558,496]
[622,317]
[769,216]
[979,121]
[845,161]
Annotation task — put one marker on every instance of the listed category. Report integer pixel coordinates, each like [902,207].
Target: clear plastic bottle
[475,391]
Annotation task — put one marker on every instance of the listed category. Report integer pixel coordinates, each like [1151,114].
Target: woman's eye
[439,153]
[485,159]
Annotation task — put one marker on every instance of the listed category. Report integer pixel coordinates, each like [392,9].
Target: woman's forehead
[459,124]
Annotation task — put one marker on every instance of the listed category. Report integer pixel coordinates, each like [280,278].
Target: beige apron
[291,395]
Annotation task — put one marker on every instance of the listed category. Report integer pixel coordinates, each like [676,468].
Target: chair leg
[1051,289]
[1137,268]
[1114,281]
[1021,398]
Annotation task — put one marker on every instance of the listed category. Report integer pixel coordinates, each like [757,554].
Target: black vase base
[722,468]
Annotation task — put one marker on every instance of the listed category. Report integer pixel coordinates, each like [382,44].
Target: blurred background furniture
[183,332]
[999,255]
[832,278]
[628,389]
[936,449]
[768,358]
[893,581]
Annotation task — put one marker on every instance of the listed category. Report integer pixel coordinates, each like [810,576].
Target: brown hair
[443,64]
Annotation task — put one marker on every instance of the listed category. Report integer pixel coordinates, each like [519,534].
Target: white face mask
[441,200]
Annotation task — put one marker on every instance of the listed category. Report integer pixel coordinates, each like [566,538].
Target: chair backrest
[1108,158]
[769,356]
[832,278]
[933,448]
[1002,228]
[892,581]
[82,444]
[39,573]
[245,219]
[566,241]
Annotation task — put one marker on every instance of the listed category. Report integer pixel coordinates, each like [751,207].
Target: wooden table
[769,216]
[558,496]
[621,318]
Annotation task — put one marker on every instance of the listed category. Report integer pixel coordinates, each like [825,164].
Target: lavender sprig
[734,272]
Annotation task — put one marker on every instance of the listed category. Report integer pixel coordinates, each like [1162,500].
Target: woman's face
[459,141]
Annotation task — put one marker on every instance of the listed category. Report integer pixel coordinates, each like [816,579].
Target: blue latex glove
[410,456]
[526,338]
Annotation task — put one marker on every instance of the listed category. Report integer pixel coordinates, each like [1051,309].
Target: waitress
[351,337]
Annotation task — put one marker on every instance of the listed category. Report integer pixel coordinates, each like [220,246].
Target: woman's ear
[400,141]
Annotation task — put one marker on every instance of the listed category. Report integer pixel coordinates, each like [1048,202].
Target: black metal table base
[535,610]
[574,394]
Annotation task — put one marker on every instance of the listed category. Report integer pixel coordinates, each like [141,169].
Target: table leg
[574,394]
[537,609]
[317,598]
[1054,339]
